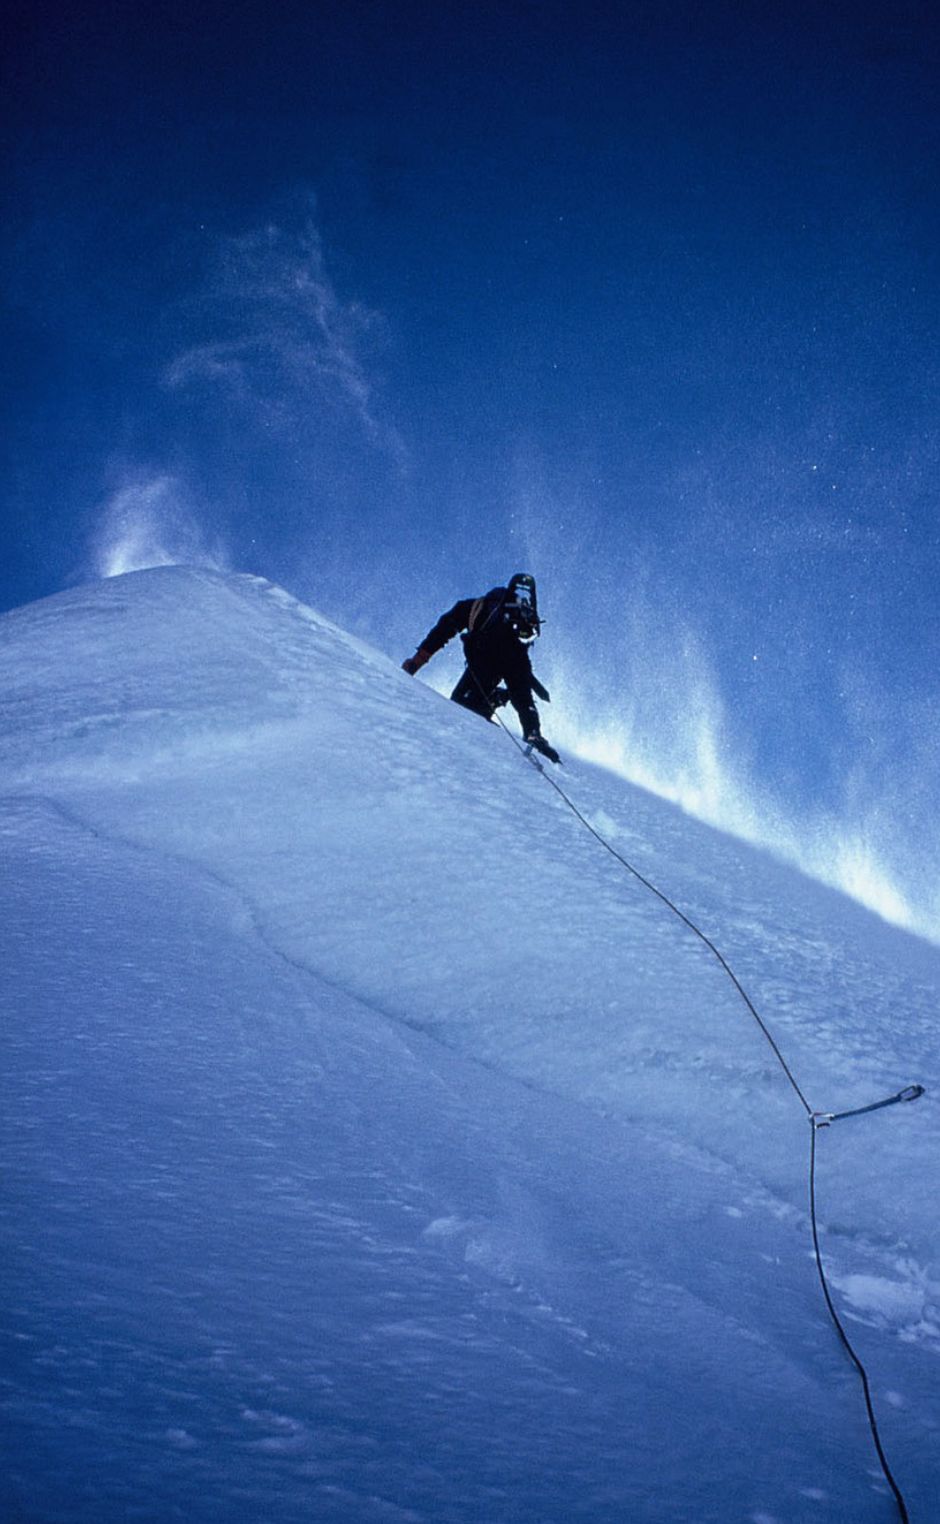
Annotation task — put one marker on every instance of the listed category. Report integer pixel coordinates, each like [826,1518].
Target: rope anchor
[824,1118]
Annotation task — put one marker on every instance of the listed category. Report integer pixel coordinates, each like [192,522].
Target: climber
[497,632]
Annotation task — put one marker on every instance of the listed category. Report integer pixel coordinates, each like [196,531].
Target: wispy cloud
[146,522]
[277,337]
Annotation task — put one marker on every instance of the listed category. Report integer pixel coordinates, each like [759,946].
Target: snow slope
[376,1148]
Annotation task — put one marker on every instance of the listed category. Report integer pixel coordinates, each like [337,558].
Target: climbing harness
[817,1119]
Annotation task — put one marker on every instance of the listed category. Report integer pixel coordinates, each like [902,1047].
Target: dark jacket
[495,656]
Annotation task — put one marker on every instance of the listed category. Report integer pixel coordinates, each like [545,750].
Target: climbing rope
[817,1119]
[830,1304]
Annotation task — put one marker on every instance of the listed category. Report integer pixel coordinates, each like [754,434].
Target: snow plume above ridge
[686,754]
[645,683]
[673,736]
[147,522]
[263,419]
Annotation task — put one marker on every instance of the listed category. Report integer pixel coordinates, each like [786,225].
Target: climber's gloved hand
[414,663]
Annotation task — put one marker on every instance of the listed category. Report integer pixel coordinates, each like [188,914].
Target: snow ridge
[379,1150]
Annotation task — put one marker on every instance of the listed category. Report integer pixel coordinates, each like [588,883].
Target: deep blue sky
[385,301]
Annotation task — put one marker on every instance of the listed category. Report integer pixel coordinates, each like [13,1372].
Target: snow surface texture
[377,1149]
